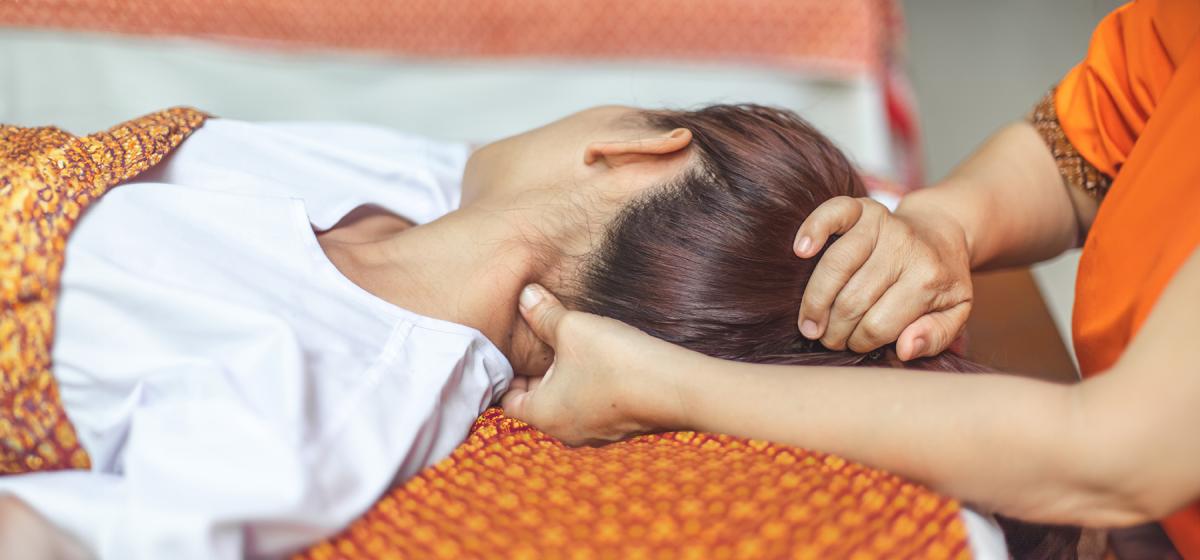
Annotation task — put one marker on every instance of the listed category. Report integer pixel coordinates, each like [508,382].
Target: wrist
[923,209]
[662,394]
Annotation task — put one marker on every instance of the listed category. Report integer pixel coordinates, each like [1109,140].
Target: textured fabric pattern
[47,177]
[840,37]
[1074,169]
[512,492]
[509,490]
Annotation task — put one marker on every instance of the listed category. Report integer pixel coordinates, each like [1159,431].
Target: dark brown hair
[706,261]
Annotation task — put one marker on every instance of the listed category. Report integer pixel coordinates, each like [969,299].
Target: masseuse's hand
[902,277]
[603,385]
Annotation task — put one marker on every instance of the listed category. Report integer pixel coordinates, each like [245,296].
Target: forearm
[957,433]
[1009,200]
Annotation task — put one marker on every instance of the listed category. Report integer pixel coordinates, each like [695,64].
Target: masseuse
[1109,160]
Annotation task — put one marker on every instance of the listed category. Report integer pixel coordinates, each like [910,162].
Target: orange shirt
[1132,109]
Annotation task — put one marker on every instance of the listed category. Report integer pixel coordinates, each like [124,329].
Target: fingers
[518,402]
[932,333]
[895,310]
[835,269]
[542,312]
[858,300]
[833,217]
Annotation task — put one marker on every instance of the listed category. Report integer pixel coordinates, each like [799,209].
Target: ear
[620,153]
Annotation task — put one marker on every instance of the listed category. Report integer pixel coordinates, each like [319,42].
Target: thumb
[542,312]
[518,401]
[833,217]
[932,333]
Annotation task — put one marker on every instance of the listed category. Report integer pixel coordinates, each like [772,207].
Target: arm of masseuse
[906,277]
[1006,205]
[1074,454]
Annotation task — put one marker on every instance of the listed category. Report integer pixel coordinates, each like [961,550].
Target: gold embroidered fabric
[47,177]
[511,491]
[1075,170]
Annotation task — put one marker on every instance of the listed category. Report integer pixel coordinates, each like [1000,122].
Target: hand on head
[598,390]
[889,277]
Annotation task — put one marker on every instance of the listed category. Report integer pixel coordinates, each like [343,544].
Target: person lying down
[260,336]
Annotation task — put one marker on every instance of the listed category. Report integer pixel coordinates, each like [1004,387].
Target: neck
[467,267]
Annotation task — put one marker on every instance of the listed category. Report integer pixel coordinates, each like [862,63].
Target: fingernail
[918,347]
[530,296]
[803,246]
[809,329]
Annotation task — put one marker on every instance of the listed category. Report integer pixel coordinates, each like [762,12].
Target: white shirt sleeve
[420,178]
[204,477]
[414,177]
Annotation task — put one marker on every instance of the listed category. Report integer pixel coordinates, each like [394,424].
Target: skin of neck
[533,207]
[468,267]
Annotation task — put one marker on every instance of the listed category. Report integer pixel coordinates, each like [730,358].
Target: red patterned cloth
[843,36]
[511,491]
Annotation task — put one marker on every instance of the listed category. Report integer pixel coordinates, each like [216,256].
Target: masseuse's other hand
[606,382]
[889,277]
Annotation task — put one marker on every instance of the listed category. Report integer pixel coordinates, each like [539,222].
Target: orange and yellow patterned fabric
[511,491]
[47,177]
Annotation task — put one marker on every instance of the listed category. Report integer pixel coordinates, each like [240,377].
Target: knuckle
[849,307]
[567,323]
[928,277]
[874,332]
[901,230]
[840,205]
[845,256]
[872,206]
[815,301]
[544,321]
[833,343]
[861,345]
[841,200]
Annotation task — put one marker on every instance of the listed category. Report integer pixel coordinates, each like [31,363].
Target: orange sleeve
[1104,102]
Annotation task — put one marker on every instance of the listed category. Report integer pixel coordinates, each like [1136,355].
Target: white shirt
[236,393]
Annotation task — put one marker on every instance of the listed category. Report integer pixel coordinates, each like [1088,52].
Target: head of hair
[706,262]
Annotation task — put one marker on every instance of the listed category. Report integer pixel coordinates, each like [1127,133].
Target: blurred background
[907,88]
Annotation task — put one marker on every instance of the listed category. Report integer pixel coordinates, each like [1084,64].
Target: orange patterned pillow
[512,491]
